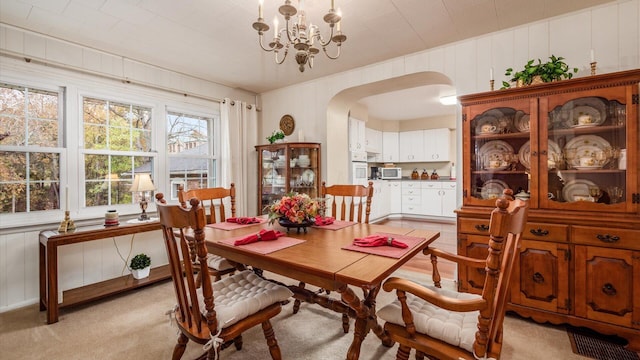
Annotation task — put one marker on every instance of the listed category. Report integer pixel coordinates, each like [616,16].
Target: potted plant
[275,136]
[140,266]
[553,70]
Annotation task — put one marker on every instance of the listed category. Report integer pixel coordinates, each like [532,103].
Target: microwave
[389,173]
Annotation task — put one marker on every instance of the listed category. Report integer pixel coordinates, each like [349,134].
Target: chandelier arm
[329,56]
[322,43]
[269,49]
[286,51]
[286,30]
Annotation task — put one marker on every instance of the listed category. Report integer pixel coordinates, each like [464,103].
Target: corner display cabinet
[285,168]
[571,148]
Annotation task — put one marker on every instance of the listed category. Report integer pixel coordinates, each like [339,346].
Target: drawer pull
[539,232]
[608,238]
[608,289]
[538,278]
[482,227]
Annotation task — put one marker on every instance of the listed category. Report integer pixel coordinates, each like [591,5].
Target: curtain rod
[125,80]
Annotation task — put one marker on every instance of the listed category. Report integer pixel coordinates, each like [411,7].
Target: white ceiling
[214,40]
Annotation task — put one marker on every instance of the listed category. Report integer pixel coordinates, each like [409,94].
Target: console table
[49,243]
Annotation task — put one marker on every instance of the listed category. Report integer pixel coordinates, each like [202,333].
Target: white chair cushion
[218,262]
[455,328]
[243,294]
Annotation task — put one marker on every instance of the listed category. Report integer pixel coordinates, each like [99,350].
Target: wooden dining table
[320,260]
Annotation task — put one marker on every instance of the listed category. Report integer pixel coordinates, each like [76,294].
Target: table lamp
[143,183]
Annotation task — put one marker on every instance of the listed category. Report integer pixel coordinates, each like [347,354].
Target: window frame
[213,136]
[60,149]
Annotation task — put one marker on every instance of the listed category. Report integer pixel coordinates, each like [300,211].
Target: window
[117,145]
[192,163]
[30,149]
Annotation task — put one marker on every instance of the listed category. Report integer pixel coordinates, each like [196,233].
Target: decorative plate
[593,106]
[494,150]
[586,145]
[270,176]
[492,189]
[521,121]
[487,120]
[287,124]
[524,154]
[577,188]
[307,177]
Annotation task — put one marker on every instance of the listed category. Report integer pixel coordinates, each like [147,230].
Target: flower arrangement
[297,208]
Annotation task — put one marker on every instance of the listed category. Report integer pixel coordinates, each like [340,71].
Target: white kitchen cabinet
[411,198]
[395,196]
[437,145]
[373,140]
[356,135]
[411,146]
[380,201]
[438,198]
[390,146]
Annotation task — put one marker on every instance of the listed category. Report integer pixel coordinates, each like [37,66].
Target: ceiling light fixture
[299,35]
[448,100]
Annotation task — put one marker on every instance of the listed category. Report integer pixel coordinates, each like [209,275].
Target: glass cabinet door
[273,175]
[587,137]
[303,168]
[500,151]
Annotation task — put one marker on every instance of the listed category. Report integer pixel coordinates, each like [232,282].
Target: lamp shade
[142,182]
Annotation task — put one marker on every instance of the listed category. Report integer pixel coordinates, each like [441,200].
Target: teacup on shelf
[585,120]
[587,161]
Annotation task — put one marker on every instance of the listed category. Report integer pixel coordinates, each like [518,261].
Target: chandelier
[305,39]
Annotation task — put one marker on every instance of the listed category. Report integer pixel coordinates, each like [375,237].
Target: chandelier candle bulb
[490,73]
[260,14]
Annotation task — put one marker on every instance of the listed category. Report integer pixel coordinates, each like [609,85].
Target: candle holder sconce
[67,224]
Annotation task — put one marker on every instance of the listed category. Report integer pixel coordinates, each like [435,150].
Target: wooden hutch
[572,148]
[285,168]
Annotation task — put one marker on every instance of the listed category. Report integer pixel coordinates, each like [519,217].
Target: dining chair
[445,324]
[216,313]
[215,199]
[347,202]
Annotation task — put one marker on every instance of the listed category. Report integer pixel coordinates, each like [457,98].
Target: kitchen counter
[407,178]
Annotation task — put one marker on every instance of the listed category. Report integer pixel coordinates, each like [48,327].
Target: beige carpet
[134,326]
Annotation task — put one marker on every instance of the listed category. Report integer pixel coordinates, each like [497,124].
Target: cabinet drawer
[431,185]
[600,236]
[545,232]
[474,226]
[411,199]
[411,192]
[410,185]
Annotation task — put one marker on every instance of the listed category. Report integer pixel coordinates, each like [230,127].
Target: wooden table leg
[52,284]
[366,319]
[42,267]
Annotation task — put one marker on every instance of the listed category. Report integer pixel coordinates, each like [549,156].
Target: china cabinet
[571,148]
[285,168]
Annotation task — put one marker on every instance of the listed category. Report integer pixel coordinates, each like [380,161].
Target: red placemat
[265,247]
[337,225]
[232,226]
[388,251]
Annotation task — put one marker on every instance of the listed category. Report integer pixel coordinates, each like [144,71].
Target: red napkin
[263,235]
[243,220]
[324,221]
[379,240]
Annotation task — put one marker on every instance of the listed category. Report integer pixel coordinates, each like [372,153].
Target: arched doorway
[338,116]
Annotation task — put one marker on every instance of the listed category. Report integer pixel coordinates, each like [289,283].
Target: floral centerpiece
[294,210]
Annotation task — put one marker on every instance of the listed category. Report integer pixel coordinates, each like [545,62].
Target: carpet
[594,345]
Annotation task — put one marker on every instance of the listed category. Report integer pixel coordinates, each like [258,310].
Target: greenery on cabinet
[553,70]
[275,136]
[140,261]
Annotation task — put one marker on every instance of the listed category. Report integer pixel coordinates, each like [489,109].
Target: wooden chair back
[348,196]
[505,230]
[176,220]
[213,198]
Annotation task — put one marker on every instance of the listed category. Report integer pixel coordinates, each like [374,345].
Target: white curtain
[239,135]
